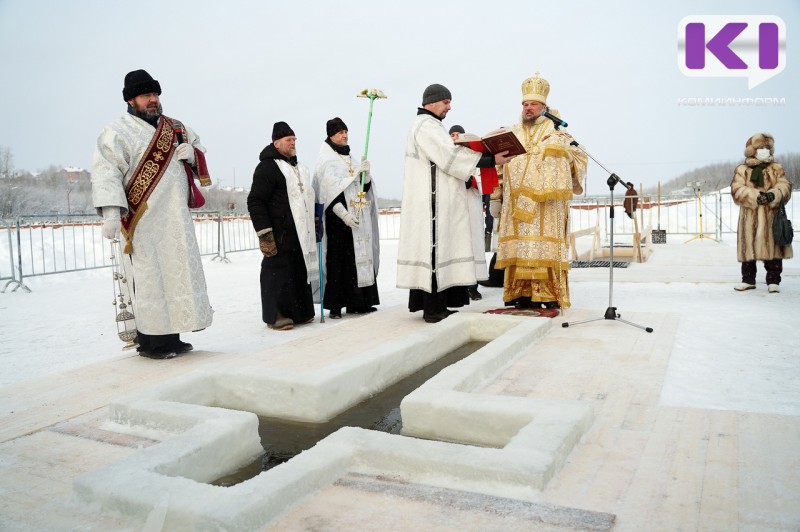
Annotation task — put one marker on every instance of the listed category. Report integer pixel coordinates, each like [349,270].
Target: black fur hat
[139,82]
[280,130]
[335,125]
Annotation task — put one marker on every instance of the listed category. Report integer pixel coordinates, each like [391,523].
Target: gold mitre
[535,88]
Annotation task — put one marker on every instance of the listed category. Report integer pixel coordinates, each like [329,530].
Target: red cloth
[489,179]
[196,199]
[202,168]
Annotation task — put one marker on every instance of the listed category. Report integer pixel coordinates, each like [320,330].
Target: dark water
[283,439]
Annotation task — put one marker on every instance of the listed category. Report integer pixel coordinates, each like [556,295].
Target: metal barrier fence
[46,244]
[59,243]
[714,212]
[38,245]
[7,275]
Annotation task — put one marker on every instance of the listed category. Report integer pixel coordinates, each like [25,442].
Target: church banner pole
[372,94]
[319,229]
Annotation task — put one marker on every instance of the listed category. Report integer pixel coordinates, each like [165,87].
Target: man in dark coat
[281,205]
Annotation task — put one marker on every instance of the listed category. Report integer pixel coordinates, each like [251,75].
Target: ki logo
[747,46]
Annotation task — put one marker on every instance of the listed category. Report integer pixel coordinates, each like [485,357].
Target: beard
[148,113]
[286,151]
[528,121]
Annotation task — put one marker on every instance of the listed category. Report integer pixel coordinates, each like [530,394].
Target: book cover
[495,142]
[502,140]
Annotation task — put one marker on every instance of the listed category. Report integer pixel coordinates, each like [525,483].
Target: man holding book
[532,244]
[436,260]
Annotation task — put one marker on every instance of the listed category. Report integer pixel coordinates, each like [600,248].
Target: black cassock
[341,282]
[284,284]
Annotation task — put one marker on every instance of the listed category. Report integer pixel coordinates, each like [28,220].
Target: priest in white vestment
[351,244]
[436,259]
[164,270]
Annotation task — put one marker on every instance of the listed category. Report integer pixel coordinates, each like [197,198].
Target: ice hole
[282,439]
[453,432]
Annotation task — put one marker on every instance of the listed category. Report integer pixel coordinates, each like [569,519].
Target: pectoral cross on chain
[299,181]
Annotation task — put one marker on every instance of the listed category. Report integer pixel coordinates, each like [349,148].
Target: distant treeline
[67,191]
[718,176]
[63,191]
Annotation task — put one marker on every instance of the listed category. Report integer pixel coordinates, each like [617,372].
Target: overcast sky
[230,69]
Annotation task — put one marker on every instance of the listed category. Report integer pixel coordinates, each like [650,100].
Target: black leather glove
[266,243]
[765,197]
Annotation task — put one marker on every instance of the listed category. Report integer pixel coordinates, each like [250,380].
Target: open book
[494,142]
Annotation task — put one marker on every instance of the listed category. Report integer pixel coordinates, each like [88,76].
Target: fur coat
[754,240]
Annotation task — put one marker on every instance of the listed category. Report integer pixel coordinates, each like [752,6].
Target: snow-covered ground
[732,350]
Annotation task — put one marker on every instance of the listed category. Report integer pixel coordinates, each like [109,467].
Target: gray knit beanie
[435,93]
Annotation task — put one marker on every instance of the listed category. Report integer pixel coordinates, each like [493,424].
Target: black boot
[436,318]
[161,346]
[182,347]
[523,302]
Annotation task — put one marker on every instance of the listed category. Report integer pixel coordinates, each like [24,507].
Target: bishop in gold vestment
[537,186]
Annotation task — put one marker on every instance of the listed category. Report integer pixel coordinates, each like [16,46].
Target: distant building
[75,175]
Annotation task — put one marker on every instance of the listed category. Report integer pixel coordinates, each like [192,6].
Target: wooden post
[659,204]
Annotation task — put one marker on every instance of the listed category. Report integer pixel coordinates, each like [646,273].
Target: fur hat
[456,129]
[435,93]
[280,130]
[137,83]
[759,140]
[335,125]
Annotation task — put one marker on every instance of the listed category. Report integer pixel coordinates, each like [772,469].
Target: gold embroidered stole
[542,174]
[148,173]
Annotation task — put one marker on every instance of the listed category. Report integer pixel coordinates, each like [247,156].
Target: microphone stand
[611,311]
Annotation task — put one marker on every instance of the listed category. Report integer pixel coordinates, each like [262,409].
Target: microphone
[177,125]
[555,119]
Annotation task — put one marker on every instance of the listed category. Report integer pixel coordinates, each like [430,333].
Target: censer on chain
[123,303]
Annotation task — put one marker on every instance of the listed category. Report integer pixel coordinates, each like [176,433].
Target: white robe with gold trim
[165,266]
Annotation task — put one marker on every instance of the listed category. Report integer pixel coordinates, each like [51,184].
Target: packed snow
[732,350]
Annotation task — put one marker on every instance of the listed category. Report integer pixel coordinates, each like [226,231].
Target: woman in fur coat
[759,187]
